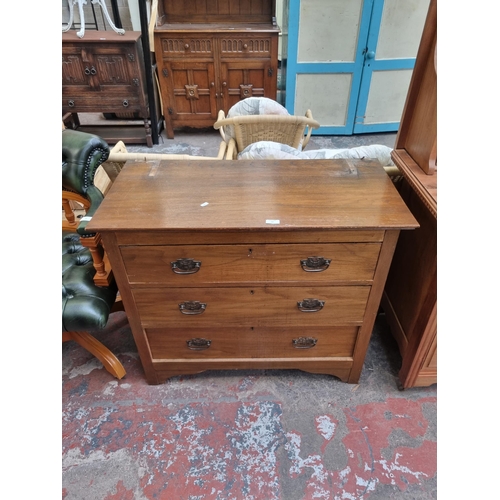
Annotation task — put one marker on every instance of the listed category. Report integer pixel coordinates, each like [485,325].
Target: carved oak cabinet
[276,264]
[103,72]
[210,55]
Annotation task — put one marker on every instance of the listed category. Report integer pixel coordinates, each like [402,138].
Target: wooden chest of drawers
[266,264]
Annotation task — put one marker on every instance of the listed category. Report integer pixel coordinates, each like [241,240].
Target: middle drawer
[195,265]
[270,306]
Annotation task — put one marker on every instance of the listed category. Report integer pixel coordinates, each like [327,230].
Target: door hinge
[270,72]
[170,111]
[165,73]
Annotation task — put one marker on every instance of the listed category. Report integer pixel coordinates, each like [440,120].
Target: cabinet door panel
[73,70]
[242,79]
[191,90]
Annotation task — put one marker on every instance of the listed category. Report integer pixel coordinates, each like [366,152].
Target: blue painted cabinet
[350,62]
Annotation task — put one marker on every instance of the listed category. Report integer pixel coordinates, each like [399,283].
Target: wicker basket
[285,129]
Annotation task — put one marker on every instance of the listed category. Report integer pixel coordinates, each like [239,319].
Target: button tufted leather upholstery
[82,154]
[85,305]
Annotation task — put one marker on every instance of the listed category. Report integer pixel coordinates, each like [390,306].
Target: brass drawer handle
[310,305]
[304,342]
[198,344]
[185,266]
[315,264]
[192,307]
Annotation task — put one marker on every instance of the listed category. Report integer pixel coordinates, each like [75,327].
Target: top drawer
[195,265]
[257,45]
[186,46]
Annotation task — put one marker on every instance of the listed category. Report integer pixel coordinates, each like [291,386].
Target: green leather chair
[89,291]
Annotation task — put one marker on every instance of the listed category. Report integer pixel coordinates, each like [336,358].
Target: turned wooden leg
[99,350]
[103,276]
[68,212]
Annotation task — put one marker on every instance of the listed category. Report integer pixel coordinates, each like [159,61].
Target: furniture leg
[120,31]
[70,21]
[99,350]
[81,32]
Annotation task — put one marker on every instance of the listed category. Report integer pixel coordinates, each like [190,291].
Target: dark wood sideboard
[276,265]
[104,72]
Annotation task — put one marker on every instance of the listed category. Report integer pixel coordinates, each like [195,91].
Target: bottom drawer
[244,343]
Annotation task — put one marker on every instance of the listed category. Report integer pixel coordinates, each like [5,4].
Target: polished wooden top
[252,195]
[98,37]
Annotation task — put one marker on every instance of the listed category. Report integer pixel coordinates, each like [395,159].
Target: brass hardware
[93,71]
[224,84]
[212,84]
[131,57]
[245,46]
[304,342]
[315,264]
[135,81]
[185,266]
[87,71]
[310,305]
[191,91]
[198,344]
[186,46]
[71,103]
[125,103]
[192,307]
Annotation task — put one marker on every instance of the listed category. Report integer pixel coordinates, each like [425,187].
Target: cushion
[273,150]
[269,150]
[253,106]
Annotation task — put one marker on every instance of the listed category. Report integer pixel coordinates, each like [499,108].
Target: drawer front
[251,306]
[186,46]
[74,101]
[194,265]
[230,343]
[246,46]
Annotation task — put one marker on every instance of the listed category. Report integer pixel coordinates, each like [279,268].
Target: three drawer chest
[272,264]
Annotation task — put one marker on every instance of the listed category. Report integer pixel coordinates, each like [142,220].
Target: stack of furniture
[410,297]
[212,54]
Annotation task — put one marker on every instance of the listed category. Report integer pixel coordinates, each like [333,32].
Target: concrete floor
[245,435]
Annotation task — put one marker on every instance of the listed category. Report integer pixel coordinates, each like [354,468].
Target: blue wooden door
[350,61]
